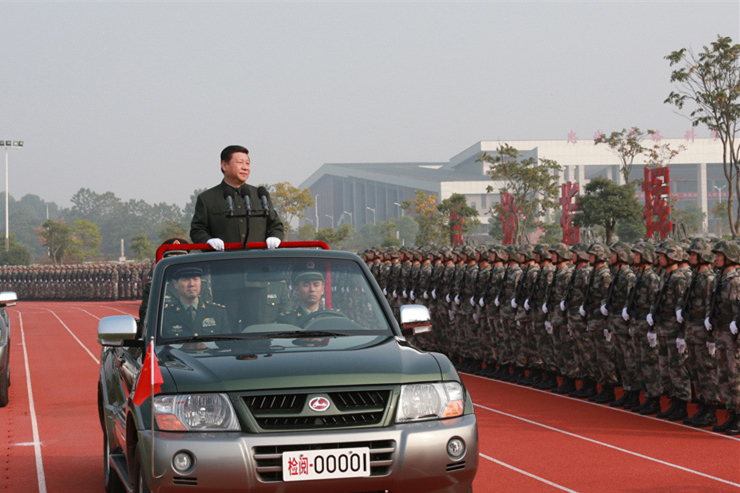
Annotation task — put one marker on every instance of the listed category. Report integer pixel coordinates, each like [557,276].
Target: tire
[4,384]
[113,483]
[139,475]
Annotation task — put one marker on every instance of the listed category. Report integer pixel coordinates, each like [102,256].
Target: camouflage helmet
[703,249]
[527,251]
[623,251]
[393,251]
[730,249]
[513,252]
[562,250]
[600,251]
[543,251]
[469,251]
[483,251]
[671,250]
[581,250]
[646,250]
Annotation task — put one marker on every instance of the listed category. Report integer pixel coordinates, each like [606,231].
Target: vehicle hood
[230,370]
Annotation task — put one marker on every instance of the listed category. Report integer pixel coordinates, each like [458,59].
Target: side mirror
[415,319]
[8,298]
[114,330]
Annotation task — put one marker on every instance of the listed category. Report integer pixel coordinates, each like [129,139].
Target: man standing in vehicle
[233,211]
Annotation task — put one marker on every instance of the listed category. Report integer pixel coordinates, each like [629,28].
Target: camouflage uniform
[602,352]
[544,358]
[507,328]
[577,324]
[562,342]
[524,345]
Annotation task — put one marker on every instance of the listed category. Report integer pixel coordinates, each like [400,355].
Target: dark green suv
[281,370]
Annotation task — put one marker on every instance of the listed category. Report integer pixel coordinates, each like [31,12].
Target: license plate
[326,464]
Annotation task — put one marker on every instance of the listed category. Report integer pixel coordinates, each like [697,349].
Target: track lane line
[96,360]
[41,477]
[607,445]
[528,474]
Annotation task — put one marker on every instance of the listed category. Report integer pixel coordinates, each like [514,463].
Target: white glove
[604,311]
[562,306]
[544,307]
[457,299]
[650,320]
[434,293]
[426,295]
[708,324]
[475,317]
[513,303]
[733,327]
[526,304]
[481,303]
[496,302]
[607,335]
[548,327]
[711,348]
[404,293]
[652,338]
[272,242]
[681,345]
[472,301]
[625,315]
[395,294]
[679,316]
[411,295]
[385,292]
[217,244]
[447,297]
[582,311]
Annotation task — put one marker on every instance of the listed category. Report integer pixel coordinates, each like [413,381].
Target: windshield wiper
[301,334]
[209,338]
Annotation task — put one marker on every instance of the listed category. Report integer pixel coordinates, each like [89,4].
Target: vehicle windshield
[308,299]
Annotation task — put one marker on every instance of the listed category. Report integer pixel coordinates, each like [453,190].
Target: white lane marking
[504,464]
[26,444]
[615,409]
[96,360]
[93,316]
[41,477]
[614,447]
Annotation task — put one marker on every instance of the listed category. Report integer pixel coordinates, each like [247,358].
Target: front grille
[269,459]
[289,412]
[455,466]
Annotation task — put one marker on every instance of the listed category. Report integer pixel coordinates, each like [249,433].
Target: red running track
[530,441]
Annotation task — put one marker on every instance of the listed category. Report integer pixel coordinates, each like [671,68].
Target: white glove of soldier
[411,295]
[711,348]
[385,292]
[650,320]
[272,242]
[513,303]
[604,311]
[481,303]
[496,302]
[457,299]
[426,295]
[625,315]
[652,338]
[475,317]
[404,293]
[395,294]
[562,306]
[681,345]
[526,304]
[733,327]
[447,297]
[582,311]
[679,316]
[544,307]
[548,327]
[434,293]
[708,324]
[217,244]
[472,301]
[607,335]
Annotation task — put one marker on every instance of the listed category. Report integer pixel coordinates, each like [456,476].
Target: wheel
[4,384]
[139,474]
[113,483]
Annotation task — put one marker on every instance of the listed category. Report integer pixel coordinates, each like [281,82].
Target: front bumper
[410,458]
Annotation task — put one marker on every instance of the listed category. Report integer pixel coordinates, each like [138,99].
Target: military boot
[550,381]
[724,426]
[674,403]
[679,412]
[650,406]
[709,418]
[502,372]
[588,389]
[605,396]
[569,385]
[734,427]
[697,415]
[514,376]
[622,400]
[529,380]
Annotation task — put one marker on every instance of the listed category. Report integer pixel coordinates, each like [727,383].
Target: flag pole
[151,377]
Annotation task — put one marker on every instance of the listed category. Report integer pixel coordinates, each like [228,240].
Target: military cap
[309,275]
[187,271]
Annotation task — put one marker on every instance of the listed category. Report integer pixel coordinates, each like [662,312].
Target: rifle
[687,301]
[569,289]
[551,288]
[716,298]
[520,286]
[659,300]
[588,292]
[613,285]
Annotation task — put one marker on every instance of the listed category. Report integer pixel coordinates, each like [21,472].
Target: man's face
[236,171]
[693,258]
[662,260]
[719,259]
[310,292]
[613,258]
[188,288]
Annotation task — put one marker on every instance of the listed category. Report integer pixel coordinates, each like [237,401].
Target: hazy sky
[140,98]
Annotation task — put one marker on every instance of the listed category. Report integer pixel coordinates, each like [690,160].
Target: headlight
[430,401]
[195,412]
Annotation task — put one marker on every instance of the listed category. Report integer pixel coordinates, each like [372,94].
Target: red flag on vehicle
[150,379]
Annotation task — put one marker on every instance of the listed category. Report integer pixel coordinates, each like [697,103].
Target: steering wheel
[317,315]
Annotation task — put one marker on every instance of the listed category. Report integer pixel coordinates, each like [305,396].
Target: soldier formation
[76,282]
[656,320]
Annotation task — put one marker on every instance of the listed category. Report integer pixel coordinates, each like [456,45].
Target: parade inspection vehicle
[278,370]
[7,298]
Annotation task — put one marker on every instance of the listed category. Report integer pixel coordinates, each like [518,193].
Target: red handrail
[257,245]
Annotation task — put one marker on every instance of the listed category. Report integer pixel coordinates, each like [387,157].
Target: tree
[57,237]
[710,83]
[458,214]
[691,216]
[17,254]
[86,239]
[626,144]
[431,221]
[408,229]
[604,203]
[290,202]
[631,230]
[306,233]
[142,247]
[334,237]
[533,184]
[171,229]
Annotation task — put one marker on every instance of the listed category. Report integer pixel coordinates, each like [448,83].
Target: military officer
[188,314]
[309,288]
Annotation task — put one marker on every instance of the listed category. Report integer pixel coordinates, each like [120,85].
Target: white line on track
[614,447]
[96,360]
[614,409]
[509,466]
[80,309]
[41,477]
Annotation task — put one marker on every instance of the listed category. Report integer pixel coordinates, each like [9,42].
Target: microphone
[245,195]
[229,202]
[262,192]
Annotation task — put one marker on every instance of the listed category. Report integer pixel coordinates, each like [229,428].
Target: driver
[309,287]
[189,314]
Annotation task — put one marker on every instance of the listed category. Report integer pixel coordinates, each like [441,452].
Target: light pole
[351,221]
[719,190]
[8,144]
[332,220]
[400,207]
[371,209]
[316,203]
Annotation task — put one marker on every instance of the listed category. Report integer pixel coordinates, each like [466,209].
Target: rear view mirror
[8,298]
[415,319]
[114,330]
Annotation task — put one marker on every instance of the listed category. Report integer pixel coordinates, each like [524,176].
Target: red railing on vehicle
[257,245]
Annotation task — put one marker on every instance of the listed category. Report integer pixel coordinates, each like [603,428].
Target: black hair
[230,150]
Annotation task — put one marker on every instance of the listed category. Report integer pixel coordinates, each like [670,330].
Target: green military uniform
[209,318]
